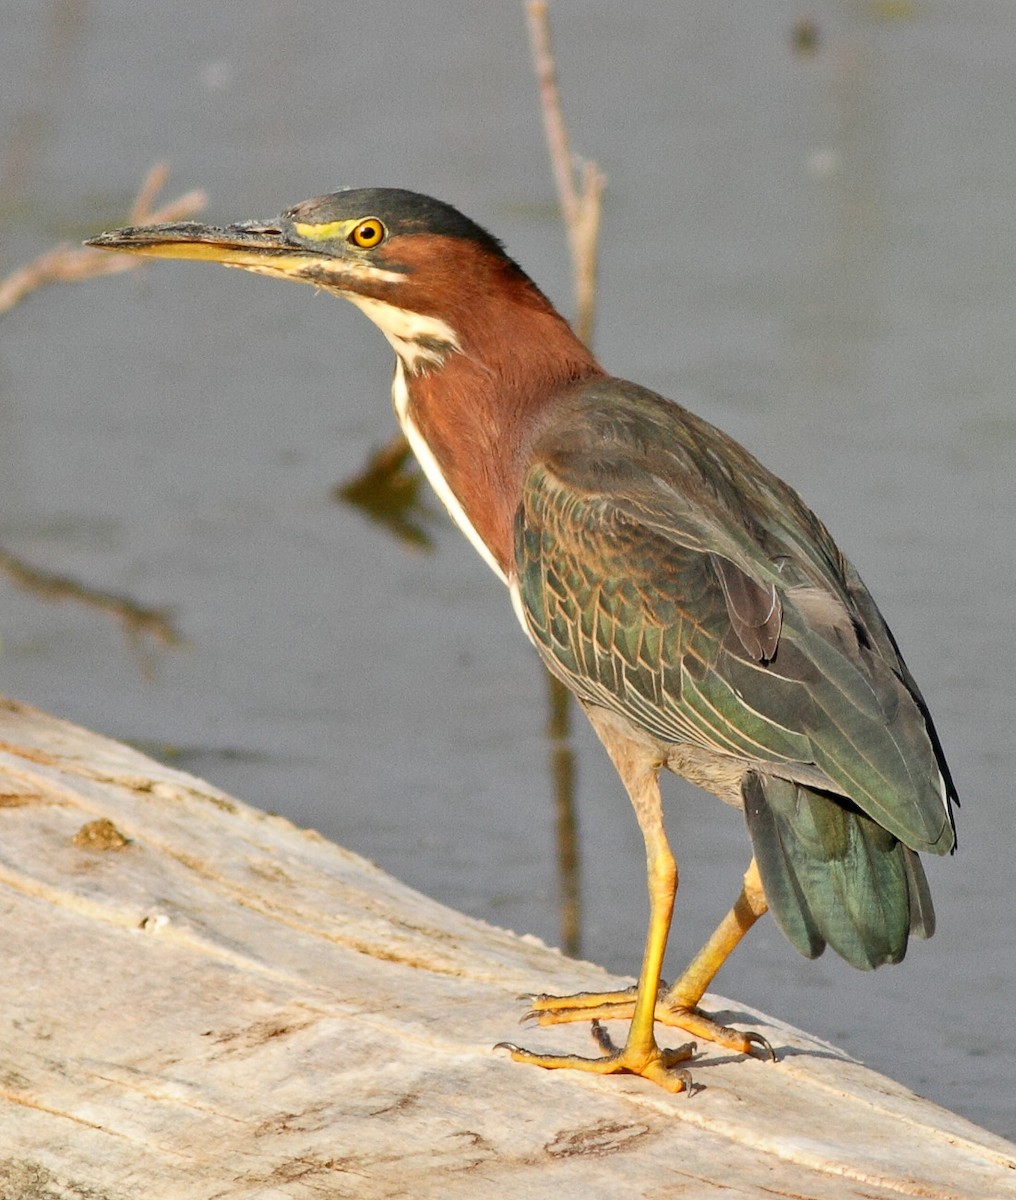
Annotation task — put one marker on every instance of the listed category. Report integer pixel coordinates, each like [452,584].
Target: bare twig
[553,120]
[68,263]
[580,183]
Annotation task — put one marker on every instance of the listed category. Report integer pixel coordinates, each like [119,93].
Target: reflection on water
[566,821]
[138,620]
[388,489]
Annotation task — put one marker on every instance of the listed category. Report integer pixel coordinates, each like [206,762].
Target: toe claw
[602,1038]
[686,1079]
[756,1039]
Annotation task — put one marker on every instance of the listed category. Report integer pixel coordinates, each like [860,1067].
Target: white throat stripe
[426,459]
[415,338]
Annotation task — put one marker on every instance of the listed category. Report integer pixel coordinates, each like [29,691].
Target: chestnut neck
[480,410]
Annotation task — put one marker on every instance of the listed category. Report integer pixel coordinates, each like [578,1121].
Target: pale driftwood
[199,1000]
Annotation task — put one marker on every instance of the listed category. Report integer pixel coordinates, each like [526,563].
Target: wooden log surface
[200,1000]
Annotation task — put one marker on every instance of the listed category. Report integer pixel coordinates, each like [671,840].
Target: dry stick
[553,120]
[580,205]
[580,208]
[68,263]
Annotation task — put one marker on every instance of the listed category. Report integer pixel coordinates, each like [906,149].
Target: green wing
[666,575]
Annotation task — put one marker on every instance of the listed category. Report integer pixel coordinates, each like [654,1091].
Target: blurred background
[808,238]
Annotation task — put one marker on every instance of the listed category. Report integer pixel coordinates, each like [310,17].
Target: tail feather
[833,876]
[922,912]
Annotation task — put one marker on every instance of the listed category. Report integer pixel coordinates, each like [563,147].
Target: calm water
[814,251]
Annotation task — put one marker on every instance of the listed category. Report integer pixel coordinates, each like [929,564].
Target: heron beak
[251,245]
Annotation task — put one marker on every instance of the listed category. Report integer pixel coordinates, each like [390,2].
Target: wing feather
[665,574]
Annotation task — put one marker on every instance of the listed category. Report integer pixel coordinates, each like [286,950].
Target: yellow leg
[640,1055]
[701,971]
[678,1005]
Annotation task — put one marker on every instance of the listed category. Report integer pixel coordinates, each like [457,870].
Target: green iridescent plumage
[669,577]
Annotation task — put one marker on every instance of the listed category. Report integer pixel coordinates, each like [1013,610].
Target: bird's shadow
[739,1019]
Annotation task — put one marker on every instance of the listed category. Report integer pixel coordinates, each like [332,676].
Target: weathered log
[200,1000]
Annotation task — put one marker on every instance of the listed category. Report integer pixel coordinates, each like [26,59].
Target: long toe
[582,1006]
[702,1026]
[659,1066]
[620,1006]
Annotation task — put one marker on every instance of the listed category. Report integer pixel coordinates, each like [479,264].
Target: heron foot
[653,1062]
[620,1005]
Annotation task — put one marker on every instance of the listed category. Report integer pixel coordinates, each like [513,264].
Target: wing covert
[677,582]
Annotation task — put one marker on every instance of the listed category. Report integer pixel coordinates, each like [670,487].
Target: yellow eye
[368,234]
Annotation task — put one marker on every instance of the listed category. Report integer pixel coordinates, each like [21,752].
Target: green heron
[698,610]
